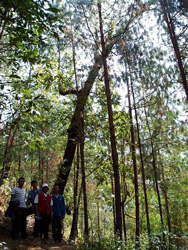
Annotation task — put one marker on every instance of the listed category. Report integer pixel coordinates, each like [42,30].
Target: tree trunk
[133,150]
[74,228]
[113,204]
[82,97]
[125,191]
[142,167]
[73,131]
[173,38]
[98,221]
[6,158]
[118,227]
[84,180]
[155,175]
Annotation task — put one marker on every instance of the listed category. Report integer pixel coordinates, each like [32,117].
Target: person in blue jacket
[59,211]
[31,205]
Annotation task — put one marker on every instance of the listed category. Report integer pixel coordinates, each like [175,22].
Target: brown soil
[7,243]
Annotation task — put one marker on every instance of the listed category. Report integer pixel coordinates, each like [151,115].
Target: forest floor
[7,243]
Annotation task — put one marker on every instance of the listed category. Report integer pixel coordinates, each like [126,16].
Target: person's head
[34,184]
[45,188]
[56,189]
[21,182]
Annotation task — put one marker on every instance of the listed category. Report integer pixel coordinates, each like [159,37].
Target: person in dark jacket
[59,211]
[31,205]
[31,197]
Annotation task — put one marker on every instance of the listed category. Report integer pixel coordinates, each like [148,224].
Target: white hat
[44,185]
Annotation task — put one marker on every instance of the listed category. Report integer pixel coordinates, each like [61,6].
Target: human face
[45,190]
[56,190]
[21,183]
[34,185]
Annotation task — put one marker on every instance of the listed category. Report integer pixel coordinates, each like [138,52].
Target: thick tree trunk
[73,131]
[5,170]
[118,227]
[82,96]
[133,150]
[171,31]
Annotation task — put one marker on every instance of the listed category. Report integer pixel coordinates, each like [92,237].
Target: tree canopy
[94,98]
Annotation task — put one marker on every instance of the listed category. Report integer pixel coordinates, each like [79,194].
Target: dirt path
[7,243]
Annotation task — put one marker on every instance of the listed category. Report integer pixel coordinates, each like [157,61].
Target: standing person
[59,211]
[20,212]
[44,205]
[31,206]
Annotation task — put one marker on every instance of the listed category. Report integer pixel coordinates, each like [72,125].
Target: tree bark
[133,150]
[155,175]
[5,170]
[84,180]
[173,38]
[74,228]
[82,96]
[118,227]
[142,167]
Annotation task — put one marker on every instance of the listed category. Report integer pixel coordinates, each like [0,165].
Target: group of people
[46,208]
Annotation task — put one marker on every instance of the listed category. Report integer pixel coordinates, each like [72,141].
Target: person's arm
[64,207]
[13,194]
[28,199]
[36,201]
[51,207]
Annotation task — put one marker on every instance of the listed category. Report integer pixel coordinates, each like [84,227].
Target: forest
[93,97]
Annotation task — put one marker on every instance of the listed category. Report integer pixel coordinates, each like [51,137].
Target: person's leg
[46,227]
[54,229]
[16,224]
[42,226]
[36,229]
[59,229]
[23,215]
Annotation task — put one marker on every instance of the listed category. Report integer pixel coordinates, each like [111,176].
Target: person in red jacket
[44,205]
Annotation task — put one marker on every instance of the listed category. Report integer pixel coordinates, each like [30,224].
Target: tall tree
[118,226]
[165,6]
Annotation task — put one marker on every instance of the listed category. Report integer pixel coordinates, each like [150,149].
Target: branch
[68,92]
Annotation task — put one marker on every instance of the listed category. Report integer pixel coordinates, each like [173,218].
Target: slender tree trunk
[98,221]
[164,190]
[19,162]
[84,180]
[155,175]
[166,202]
[133,150]
[47,165]
[74,228]
[125,191]
[41,166]
[118,227]
[142,167]
[113,204]
[171,31]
